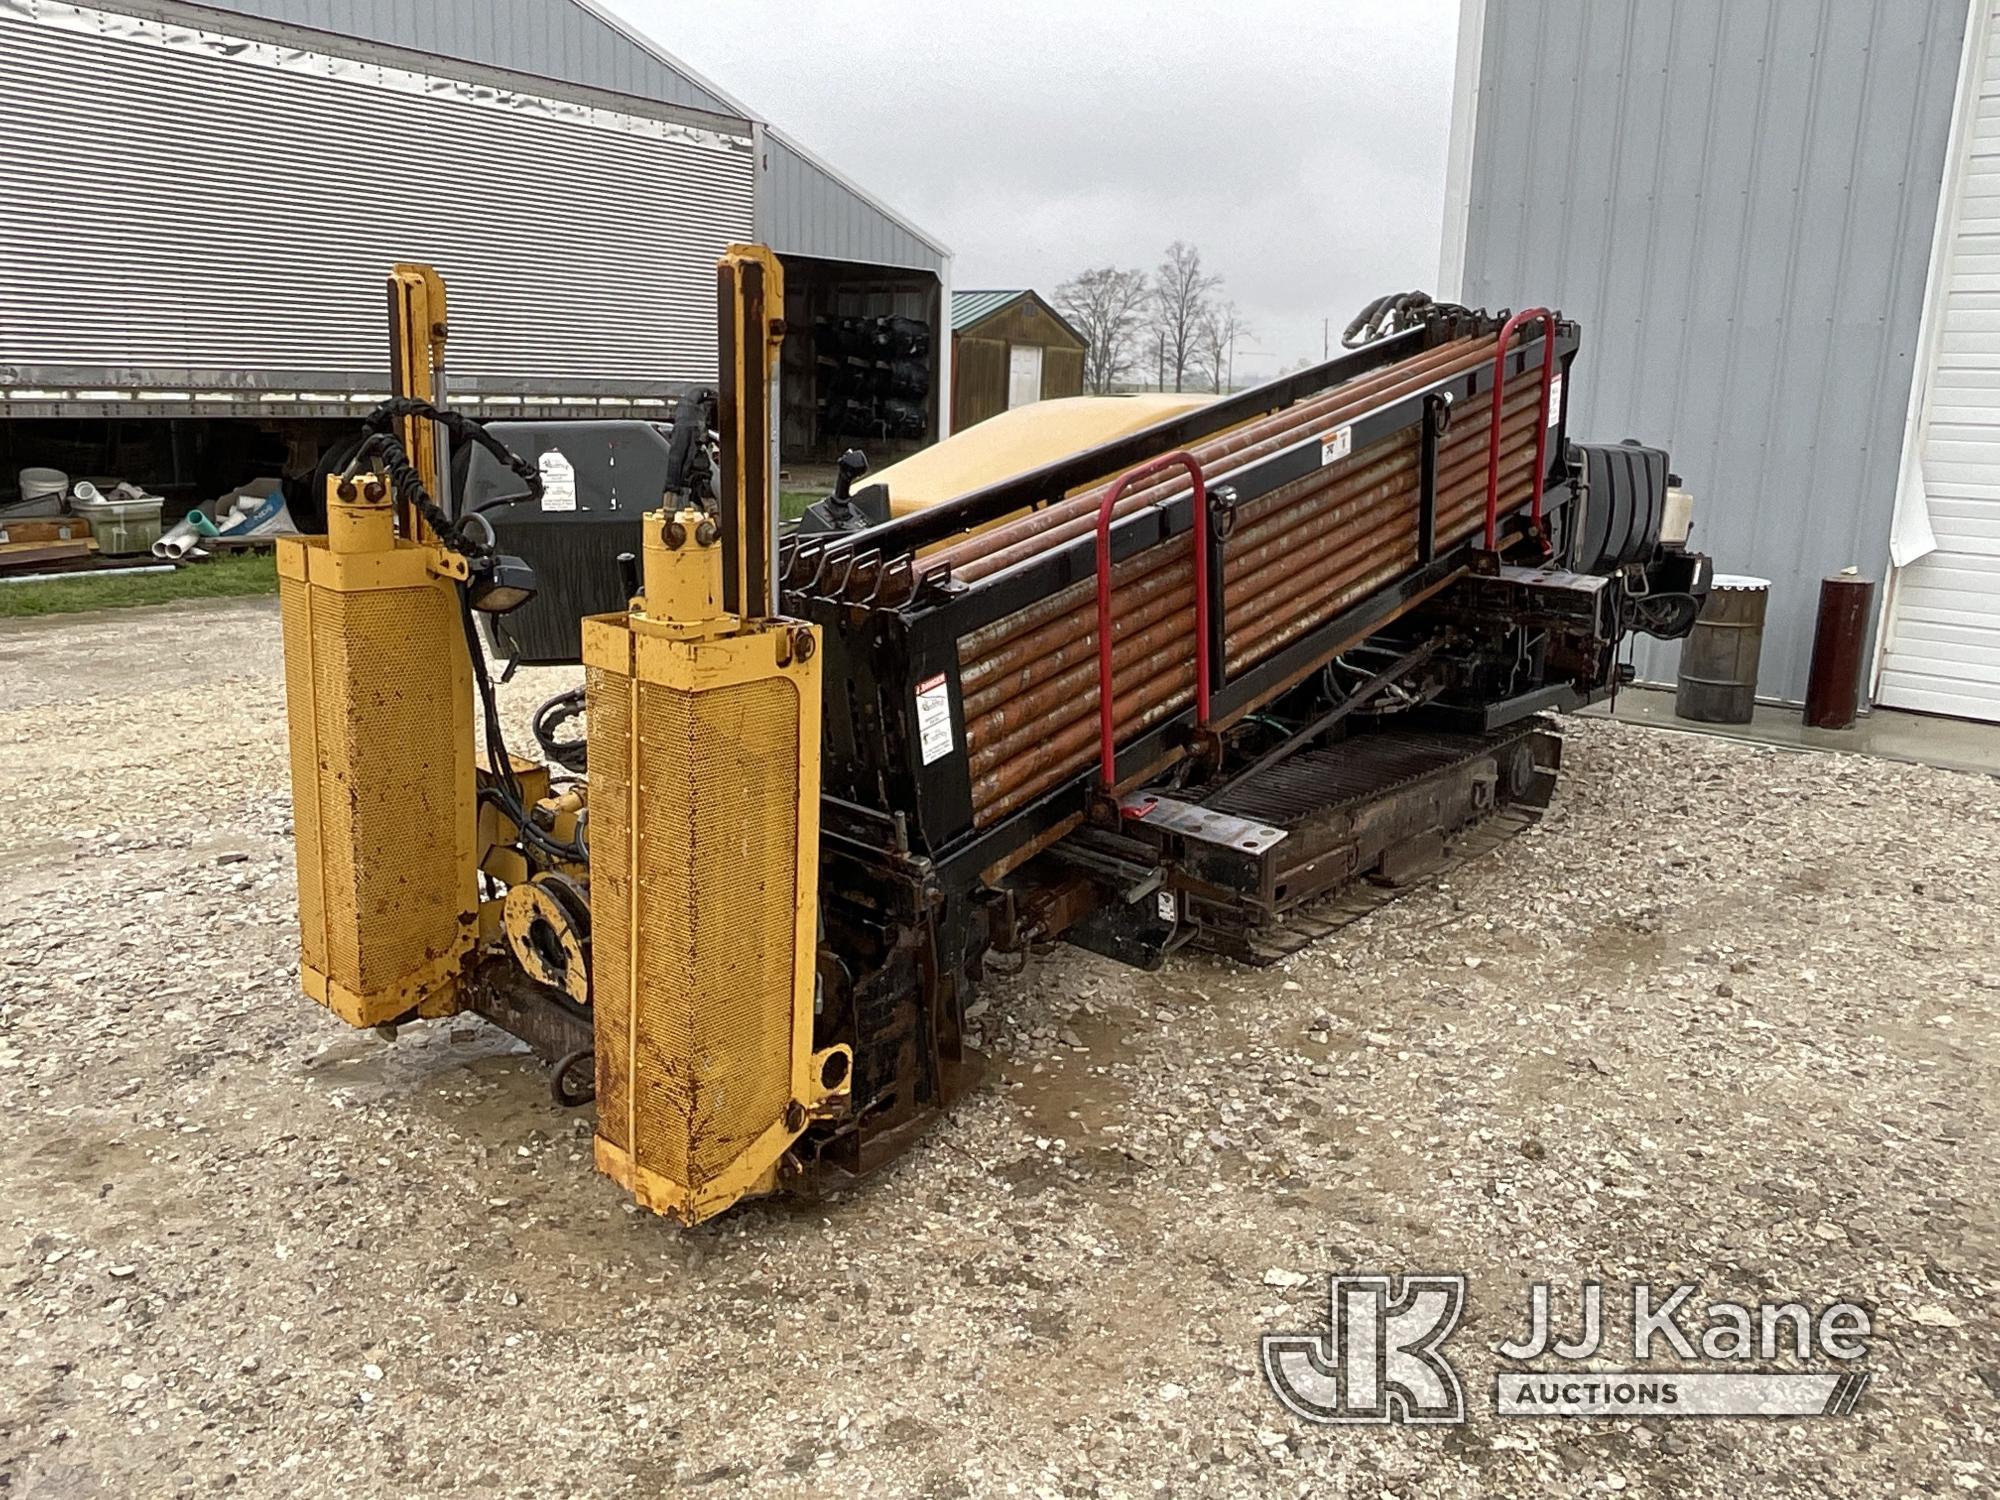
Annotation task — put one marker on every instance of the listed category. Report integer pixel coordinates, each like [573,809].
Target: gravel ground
[1726,1016]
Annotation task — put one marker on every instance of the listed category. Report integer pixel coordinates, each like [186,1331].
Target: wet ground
[1726,1017]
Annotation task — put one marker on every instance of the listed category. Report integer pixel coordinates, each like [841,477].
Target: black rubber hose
[408,485]
[571,755]
[563,1097]
[685,475]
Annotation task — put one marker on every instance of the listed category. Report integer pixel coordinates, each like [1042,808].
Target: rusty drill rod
[1065,651]
[1210,451]
[1126,573]
[991,551]
[1328,520]
[1063,749]
[1060,694]
[1281,627]
[1373,461]
[1153,651]
[1268,618]
[1019,781]
[1054,623]
[1053,705]
[1157,613]
[995,560]
[1062,741]
[1288,597]
[1257,518]
[1295,550]
[1326,594]
[1285,632]
[1013,670]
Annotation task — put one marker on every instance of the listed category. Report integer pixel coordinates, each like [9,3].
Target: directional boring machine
[1178,686]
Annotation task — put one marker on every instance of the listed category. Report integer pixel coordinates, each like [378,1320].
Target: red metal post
[1833,684]
[1107,748]
[1548,321]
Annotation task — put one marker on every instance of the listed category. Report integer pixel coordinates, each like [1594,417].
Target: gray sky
[1299,143]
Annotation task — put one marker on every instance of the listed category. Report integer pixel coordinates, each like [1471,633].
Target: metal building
[1009,348]
[205,198]
[1779,222]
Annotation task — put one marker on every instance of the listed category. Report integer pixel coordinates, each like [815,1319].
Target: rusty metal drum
[1718,676]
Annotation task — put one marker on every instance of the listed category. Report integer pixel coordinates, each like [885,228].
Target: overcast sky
[1299,143]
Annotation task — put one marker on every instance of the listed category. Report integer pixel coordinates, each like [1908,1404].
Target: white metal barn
[201,202]
[1779,221]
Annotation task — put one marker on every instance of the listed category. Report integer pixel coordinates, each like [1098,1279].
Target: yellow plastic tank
[1014,442]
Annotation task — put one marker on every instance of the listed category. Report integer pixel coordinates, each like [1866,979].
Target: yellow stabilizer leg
[378,692]
[704,877]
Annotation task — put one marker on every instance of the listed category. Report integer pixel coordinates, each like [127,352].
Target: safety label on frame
[1336,445]
[934,738]
[558,480]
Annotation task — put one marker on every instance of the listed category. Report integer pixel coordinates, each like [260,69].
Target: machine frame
[903,891]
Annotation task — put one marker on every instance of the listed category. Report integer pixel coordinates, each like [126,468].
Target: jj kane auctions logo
[1381,1357]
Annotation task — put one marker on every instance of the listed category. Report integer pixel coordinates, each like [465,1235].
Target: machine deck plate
[1300,927]
[1363,818]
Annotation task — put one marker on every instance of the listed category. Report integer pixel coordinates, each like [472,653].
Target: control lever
[843,510]
[628,573]
[853,464]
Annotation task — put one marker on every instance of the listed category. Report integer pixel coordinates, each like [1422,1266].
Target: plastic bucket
[40,484]
[42,492]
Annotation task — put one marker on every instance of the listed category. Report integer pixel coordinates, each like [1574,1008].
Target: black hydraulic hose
[506,792]
[687,449]
[564,1097]
[408,485]
[550,717]
[1392,313]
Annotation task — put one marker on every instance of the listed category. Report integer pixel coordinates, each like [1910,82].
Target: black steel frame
[882,653]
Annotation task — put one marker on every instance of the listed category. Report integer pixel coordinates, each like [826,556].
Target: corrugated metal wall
[803,208]
[1736,198]
[177,234]
[549,40]
[1941,652]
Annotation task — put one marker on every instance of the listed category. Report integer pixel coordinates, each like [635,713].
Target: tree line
[1170,327]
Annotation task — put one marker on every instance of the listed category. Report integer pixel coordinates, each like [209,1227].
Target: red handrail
[1548,320]
[1107,749]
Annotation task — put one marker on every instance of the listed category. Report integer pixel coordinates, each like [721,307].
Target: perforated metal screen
[695,1063]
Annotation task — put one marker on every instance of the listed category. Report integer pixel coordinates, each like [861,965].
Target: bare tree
[1181,296]
[1106,305]
[1222,324]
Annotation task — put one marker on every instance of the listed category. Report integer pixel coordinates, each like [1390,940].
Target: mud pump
[1178,685]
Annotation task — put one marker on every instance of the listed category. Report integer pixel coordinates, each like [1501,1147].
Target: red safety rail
[1548,320]
[1107,750]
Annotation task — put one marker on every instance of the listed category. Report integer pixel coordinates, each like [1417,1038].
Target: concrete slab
[1923,739]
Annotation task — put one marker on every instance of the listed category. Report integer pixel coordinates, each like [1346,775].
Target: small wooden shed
[1009,348]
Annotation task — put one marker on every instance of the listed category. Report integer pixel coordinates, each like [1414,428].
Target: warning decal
[558,480]
[934,738]
[1336,445]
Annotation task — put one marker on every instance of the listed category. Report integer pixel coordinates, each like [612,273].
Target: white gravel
[1727,1016]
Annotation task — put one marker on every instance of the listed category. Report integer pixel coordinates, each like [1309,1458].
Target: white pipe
[88,573]
[176,541]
